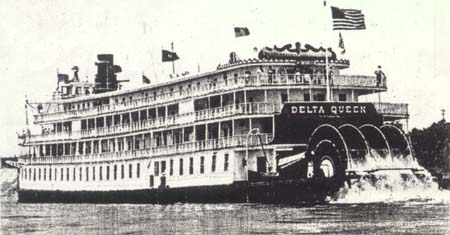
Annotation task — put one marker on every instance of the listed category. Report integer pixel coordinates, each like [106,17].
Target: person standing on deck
[259,74]
[380,75]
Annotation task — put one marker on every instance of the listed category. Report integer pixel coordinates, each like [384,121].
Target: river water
[389,207]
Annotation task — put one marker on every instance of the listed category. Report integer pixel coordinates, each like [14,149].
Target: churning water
[384,203]
[392,179]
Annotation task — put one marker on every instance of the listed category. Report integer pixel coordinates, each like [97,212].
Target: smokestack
[106,79]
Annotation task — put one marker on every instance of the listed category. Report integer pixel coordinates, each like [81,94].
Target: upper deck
[238,76]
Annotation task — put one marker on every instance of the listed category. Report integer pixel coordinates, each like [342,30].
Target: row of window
[129,117]
[160,167]
[88,173]
[93,173]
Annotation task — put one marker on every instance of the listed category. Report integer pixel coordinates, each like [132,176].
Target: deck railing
[395,109]
[223,85]
[388,109]
[181,119]
[226,142]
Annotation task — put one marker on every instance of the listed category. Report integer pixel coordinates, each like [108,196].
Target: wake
[395,182]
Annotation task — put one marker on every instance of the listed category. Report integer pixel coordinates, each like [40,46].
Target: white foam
[392,185]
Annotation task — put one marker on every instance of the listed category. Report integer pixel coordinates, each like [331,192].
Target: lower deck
[203,168]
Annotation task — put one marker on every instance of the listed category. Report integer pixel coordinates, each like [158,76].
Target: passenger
[247,77]
[317,77]
[380,76]
[270,74]
[330,76]
[259,74]
[297,76]
[282,75]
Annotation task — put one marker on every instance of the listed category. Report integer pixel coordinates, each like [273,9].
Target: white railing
[227,142]
[357,81]
[245,109]
[223,85]
[396,109]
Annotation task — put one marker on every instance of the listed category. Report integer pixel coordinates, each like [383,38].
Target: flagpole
[327,78]
[173,61]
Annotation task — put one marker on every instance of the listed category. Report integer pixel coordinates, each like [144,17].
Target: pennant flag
[341,43]
[241,31]
[145,79]
[347,19]
[169,56]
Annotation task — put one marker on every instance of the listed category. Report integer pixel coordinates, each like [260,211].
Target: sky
[407,37]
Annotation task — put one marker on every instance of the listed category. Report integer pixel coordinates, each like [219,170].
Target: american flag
[347,19]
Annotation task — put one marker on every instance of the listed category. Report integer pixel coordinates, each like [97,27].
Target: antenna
[443,114]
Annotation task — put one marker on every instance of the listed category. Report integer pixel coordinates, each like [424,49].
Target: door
[261,164]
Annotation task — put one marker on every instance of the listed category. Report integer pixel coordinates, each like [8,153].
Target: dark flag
[241,31]
[347,19]
[145,79]
[63,78]
[341,43]
[169,56]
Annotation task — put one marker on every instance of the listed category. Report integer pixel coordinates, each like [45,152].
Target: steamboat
[286,127]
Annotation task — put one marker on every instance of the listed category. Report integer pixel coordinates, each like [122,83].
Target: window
[320,97]
[81,173]
[49,174]
[284,97]
[202,165]
[191,165]
[87,173]
[306,97]
[163,167]
[93,173]
[261,164]
[152,182]
[39,175]
[100,176]
[213,163]
[67,174]
[122,171]
[171,167]
[130,171]
[226,162]
[56,174]
[156,171]
[342,97]
[74,174]
[83,124]
[107,172]
[34,174]
[62,174]
[45,173]
[115,172]
[181,166]
[138,170]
